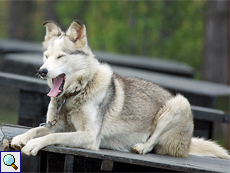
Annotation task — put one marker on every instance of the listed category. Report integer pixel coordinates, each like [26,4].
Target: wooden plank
[23,64]
[23,83]
[10,131]
[37,85]
[40,86]
[140,62]
[147,63]
[176,82]
[144,63]
[15,46]
[199,93]
[212,115]
[190,164]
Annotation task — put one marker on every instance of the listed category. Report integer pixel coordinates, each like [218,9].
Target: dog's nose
[43,72]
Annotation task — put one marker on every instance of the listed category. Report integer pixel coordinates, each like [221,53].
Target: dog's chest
[69,126]
[72,121]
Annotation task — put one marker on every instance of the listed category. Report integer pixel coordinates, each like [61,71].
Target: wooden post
[69,163]
[107,165]
[228,66]
[43,161]
[32,109]
[215,64]
[5,145]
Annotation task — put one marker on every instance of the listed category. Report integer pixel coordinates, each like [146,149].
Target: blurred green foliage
[3,19]
[165,29]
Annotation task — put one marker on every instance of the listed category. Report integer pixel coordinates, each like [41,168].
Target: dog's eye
[46,56]
[60,56]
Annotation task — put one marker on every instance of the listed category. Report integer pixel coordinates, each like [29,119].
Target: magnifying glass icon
[9,160]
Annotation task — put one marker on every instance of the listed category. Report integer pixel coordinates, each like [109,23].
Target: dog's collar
[59,107]
[56,116]
[79,91]
[72,94]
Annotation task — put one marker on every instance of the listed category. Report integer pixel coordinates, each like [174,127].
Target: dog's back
[130,117]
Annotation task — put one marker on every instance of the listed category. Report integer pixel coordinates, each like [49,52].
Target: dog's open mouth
[58,84]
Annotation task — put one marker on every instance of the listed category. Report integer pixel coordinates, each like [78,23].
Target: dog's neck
[72,94]
[77,91]
[85,81]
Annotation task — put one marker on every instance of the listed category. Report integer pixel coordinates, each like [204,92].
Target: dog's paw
[141,148]
[32,147]
[19,141]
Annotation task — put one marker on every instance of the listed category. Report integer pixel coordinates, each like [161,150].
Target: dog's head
[66,57]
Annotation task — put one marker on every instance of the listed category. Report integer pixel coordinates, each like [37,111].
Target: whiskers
[36,75]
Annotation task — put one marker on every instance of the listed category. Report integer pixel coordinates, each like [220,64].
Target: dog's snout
[43,72]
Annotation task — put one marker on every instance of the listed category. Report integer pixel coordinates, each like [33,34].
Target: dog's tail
[201,147]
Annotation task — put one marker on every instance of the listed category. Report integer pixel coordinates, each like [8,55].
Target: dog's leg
[173,131]
[79,139]
[87,136]
[19,141]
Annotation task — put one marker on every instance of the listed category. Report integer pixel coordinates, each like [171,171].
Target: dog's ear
[52,30]
[77,34]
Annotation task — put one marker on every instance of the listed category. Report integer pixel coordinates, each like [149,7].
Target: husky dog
[91,107]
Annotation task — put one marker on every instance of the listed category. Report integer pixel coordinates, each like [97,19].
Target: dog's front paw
[32,147]
[141,148]
[20,141]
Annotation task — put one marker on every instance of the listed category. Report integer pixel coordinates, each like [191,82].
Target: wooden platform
[34,102]
[199,93]
[56,158]
[137,62]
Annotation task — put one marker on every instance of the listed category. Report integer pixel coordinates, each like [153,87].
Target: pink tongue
[56,85]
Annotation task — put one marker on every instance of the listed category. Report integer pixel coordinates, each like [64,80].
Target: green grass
[8,116]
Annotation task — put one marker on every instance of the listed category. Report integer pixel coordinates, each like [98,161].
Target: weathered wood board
[138,62]
[190,164]
[200,93]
